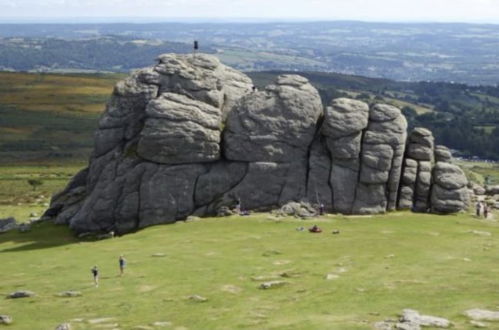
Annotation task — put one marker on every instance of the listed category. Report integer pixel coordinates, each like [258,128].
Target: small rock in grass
[162,324]
[331,277]
[7,224]
[78,320]
[101,320]
[478,314]
[24,227]
[480,233]
[158,255]
[478,324]
[335,232]
[69,294]
[63,326]
[412,316]
[5,319]
[390,256]
[197,298]
[21,294]
[272,285]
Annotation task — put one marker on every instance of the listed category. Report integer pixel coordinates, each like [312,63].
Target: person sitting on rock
[315,229]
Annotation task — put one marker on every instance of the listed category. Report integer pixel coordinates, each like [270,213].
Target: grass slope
[385,263]
[50,116]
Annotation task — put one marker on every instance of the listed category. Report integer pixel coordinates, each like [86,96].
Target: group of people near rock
[95,270]
[482,208]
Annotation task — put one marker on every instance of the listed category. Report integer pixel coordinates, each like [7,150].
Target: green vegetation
[479,172]
[49,116]
[385,263]
[17,197]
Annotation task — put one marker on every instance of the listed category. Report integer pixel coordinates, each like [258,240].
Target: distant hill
[97,54]
[464,53]
[52,117]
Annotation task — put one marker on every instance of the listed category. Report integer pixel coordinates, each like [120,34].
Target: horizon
[219,20]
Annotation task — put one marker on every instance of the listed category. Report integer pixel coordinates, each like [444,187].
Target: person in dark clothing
[485,211]
[122,263]
[321,209]
[95,273]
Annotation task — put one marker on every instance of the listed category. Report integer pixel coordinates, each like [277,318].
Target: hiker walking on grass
[122,263]
[485,211]
[95,273]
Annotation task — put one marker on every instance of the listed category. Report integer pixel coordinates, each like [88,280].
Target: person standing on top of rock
[95,273]
[122,263]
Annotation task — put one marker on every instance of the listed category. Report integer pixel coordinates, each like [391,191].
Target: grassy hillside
[49,116]
[380,265]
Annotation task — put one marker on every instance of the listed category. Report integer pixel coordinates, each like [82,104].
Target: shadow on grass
[41,236]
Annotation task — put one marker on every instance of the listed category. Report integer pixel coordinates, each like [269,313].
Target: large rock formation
[191,136]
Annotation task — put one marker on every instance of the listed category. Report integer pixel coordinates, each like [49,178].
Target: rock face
[190,136]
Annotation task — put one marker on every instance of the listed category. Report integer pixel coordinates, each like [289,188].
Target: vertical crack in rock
[189,135]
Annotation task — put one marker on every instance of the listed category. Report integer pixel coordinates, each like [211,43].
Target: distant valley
[460,53]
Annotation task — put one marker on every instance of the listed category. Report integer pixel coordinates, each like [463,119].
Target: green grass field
[50,116]
[384,264]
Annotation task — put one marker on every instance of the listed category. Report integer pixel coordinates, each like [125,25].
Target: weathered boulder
[442,154]
[345,120]
[8,224]
[273,125]
[381,160]
[478,314]
[21,294]
[190,136]
[492,190]
[180,130]
[6,319]
[449,192]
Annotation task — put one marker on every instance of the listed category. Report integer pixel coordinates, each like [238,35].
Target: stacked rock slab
[192,136]
[344,123]
[383,147]
[416,180]
[449,192]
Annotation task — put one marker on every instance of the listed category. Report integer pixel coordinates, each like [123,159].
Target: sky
[484,11]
